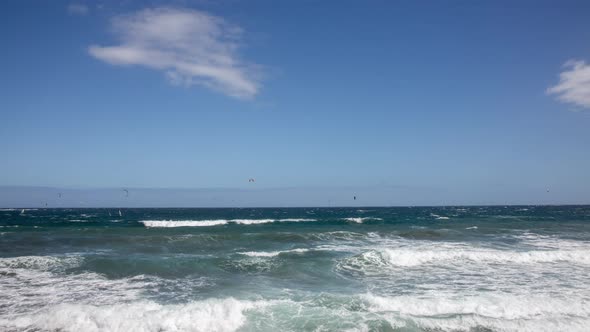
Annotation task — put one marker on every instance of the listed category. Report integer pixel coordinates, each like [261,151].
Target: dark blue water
[524,268]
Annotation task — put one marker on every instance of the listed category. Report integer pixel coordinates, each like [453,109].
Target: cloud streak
[77,9]
[574,84]
[191,47]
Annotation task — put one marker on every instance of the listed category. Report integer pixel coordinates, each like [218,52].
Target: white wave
[439,217]
[40,262]
[414,257]
[196,223]
[260,253]
[360,220]
[296,220]
[472,227]
[271,253]
[548,242]
[252,221]
[182,223]
[208,315]
[26,290]
[495,311]
[338,236]
[31,282]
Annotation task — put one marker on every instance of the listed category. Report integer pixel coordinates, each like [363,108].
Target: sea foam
[272,253]
[503,312]
[207,315]
[204,223]
[360,220]
[182,223]
[419,256]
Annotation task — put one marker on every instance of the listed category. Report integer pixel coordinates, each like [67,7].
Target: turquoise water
[524,268]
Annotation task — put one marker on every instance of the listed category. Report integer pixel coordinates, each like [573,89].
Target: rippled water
[523,268]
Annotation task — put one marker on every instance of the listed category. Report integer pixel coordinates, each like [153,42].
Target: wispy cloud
[574,84]
[189,46]
[77,9]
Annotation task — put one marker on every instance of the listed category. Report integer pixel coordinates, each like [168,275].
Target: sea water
[516,268]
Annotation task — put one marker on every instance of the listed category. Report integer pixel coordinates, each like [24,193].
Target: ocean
[476,268]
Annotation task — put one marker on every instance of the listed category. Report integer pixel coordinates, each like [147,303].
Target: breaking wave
[493,311]
[207,315]
[360,220]
[182,223]
[204,223]
[43,263]
[272,253]
[375,258]
[500,312]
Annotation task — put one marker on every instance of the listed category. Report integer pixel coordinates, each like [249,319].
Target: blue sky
[462,102]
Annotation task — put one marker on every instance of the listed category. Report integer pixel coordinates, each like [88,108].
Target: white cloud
[574,84]
[77,9]
[189,46]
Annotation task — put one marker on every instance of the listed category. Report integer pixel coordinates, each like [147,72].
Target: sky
[395,102]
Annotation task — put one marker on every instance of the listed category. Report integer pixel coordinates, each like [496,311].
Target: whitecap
[41,262]
[360,220]
[419,256]
[272,253]
[197,223]
[296,220]
[183,223]
[252,221]
[207,315]
[495,305]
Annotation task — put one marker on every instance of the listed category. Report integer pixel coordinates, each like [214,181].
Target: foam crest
[493,306]
[296,220]
[40,262]
[260,253]
[54,288]
[378,260]
[439,217]
[272,253]
[204,223]
[252,221]
[360,220]
[414,257]
[496,311]
[183,223]
[208,315]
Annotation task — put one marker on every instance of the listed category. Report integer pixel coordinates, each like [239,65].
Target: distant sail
[22,211]
[120,215]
